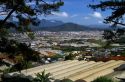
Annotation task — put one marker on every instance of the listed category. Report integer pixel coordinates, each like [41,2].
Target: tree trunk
[4,21]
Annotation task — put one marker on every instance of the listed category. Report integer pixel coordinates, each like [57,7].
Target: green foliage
[31,35]
[43,77]
[3,32]
[40,77]
[122,53]
[103,79]
[55,57]
[25,14]
[121,40]
[117,8]
[14,48]
[21,8]
[66,80]
[18,78]
[5,71]
[70,57]
[22,65]
[68,48]
[18,67]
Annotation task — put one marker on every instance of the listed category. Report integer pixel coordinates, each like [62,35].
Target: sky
[77,11]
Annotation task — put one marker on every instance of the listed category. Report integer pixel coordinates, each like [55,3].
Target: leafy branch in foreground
[117,8]
[25,12]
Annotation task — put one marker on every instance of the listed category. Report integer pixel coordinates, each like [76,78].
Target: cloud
[75,15]
[123,16]
[3,13]
[100,22]
[61,14]
[97,15]
[86,18]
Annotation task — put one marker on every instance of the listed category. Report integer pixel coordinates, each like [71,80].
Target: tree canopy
[25,12]
[117,8]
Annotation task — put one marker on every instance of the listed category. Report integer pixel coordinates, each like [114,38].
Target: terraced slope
[75,69]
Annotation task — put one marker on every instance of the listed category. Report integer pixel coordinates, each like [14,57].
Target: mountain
[50,23]
[101,27]
[65,27]
[72,27]
[54,25]
[45,23]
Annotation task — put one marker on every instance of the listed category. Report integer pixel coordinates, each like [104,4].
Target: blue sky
[77,11]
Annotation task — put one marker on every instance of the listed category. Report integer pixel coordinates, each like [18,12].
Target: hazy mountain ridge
[50,23]
[65,27]
[54,25]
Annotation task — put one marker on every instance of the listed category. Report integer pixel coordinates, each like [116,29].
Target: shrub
[66,80]
[55,57]
[80,80]
[103,79]
[43,77]
[16,78]
[70,57]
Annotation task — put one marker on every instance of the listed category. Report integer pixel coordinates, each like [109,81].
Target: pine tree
[117,8]
[25,12]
